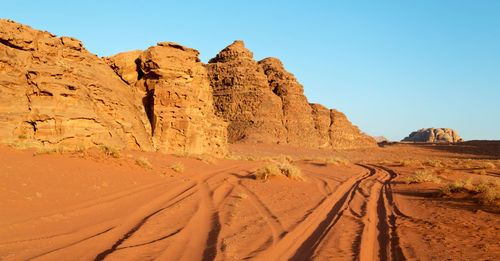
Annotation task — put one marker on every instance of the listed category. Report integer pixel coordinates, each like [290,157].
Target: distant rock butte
[54,91]
[434,135]
[265,103]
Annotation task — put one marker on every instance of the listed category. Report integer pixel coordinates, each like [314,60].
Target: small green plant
[109,151]
[143,162]
[177,167]
[421,176]
[22,136]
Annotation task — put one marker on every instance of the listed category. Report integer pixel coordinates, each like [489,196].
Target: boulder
[54,91]
[434,135]
[179,101]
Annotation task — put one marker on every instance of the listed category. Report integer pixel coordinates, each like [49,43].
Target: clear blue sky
[392,66]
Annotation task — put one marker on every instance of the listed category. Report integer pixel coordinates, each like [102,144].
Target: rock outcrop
[52,90]
[243,97]
[179,101]
[434,135]
[380,139]
[126,65]
[264,103]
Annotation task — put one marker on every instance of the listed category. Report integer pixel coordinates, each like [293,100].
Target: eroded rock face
[179,101]
[243,97]
[344,135]
[297,113]
[52,90]
[264,103]
[126,65]
[434,135]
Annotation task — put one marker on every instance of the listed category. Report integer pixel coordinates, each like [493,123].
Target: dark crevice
[148,103]
[9,44]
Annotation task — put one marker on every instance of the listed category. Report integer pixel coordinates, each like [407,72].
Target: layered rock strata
[264,103]
[52,90]
[179,101]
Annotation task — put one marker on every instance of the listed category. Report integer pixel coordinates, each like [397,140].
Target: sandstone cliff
[52,90]
[434,135]
[243,97]
[264,103]
[179,101]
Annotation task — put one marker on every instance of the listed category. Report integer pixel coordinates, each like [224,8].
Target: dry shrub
[109,151]
[279,169]
[486,165]
[411,163]
[177,167]
[456,186]
[143,162]
[50,150]
[486,193]
[479,171]
[421,176]
[435,163]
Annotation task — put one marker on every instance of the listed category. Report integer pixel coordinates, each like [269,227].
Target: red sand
[63,207]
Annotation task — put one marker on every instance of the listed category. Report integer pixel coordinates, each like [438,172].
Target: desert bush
[279,169]
[479,171]
[421,176]
[143,162]
[61,148]
[109,151]
[456,186]
[486,193]
[435,163]
[177,167]
[22,136]
[411,163]
[486,165]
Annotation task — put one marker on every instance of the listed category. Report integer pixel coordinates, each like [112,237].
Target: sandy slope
[63,207]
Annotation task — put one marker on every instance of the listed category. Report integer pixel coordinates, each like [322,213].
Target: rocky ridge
[265,103]
[54,91]
[434,135]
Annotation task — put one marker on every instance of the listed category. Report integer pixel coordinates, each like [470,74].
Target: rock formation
[434,135]
[264,103]
[243,97]
[52,90]
[380,139]
[126,65]
[179,101]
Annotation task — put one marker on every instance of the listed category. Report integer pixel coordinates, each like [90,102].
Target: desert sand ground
[89,206]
